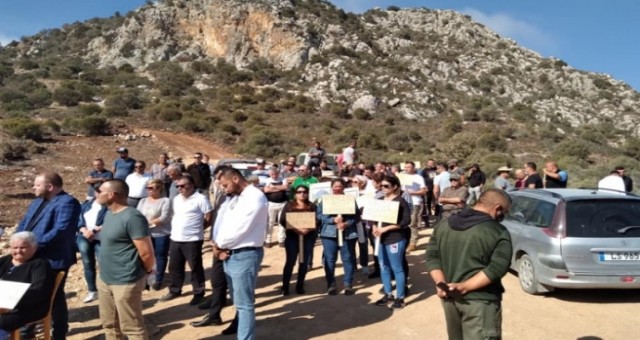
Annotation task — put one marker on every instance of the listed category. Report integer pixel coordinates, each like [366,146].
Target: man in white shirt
[261,172]
[349,154]
[414,185]
[612,182]
[191,215]
[238,237]
[440,182]
[137,182]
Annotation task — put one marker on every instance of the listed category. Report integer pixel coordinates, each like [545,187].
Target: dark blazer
[55,229]
[34,305]
[86,206]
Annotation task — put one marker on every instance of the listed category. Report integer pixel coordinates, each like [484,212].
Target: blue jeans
[347,253]
[391,257]
[161,251]
[89,251]
[291,247]
[363,248]
[241,270]
[4,335]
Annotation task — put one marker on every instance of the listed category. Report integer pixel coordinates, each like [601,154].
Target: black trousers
[179,254]
[219,288]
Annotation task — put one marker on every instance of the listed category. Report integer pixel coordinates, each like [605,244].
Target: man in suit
[52,217]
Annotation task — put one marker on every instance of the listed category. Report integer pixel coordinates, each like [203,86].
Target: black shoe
[157,286]
[374,275]
[348,291]
[284,291]
[206,321]
[169,296]
[197,299]
[300,290]
[206,304]
[230,330]
[332,291]
[397,304]
[385,300]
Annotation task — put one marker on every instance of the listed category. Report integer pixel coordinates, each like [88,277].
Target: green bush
[362,114]
[230,128]
[93,126]
[90,109]
[192,125]
[575,148]
[66,96]
[115,111]
[23,128]
[399,141]
[17,149]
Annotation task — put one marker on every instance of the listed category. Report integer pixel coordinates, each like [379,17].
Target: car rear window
[603,218]
[532,211]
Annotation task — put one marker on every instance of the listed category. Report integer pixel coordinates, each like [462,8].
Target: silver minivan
[574,238]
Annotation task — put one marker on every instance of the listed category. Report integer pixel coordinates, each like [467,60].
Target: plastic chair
[46,321]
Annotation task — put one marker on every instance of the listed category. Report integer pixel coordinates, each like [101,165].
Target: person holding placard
[21,266]
[393,243]
[300,204]
[332,225]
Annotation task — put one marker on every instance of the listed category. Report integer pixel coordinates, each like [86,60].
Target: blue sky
[593,35]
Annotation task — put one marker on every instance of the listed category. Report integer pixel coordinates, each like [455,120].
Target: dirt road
[599,314]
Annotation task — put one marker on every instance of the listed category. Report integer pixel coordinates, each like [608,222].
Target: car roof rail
[611,190]
[544,192]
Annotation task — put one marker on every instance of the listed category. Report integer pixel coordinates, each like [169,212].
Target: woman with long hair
[393,243]
[156,207]
[331,226]
[300,203]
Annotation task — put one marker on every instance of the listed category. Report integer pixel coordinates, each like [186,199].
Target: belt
[243,249]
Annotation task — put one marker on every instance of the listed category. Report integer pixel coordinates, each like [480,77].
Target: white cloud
[5,39]
[521,31]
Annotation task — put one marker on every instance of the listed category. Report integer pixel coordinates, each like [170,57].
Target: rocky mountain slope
[235,69]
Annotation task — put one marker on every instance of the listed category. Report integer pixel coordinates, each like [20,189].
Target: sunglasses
[302,192]
[181,186]
[138,166]
[386,186]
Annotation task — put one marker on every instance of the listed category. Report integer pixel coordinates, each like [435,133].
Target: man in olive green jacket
[467,256]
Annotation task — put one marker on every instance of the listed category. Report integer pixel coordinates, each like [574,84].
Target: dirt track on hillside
[599,314]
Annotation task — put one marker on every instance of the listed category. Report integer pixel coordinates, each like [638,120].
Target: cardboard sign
[317,190]
[406,180]
[381,211]
[301,220]
[355,192]
[11,292]
[338,205]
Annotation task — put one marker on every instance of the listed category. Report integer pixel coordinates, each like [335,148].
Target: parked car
[303,158]
[574,238]
[245,166]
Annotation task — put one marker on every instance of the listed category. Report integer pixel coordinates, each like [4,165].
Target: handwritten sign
[355,192]
[11,292]
[381,211]
[338,205]
[406,180]
[301,220]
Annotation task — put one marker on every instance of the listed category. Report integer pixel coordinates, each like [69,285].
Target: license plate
[620,256]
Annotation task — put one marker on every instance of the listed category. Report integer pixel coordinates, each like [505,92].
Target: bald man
[126,258]
[467,256]
[554,177]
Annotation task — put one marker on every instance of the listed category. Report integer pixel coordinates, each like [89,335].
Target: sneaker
[375,274]
[300,290]
[348,291]
[385,300]
[397,304]
[332,291]
[365,270]
[157,286]
[91,296]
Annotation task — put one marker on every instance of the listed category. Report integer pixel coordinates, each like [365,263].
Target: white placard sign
[381,211]
[338,205]
[317,190]
[11,292]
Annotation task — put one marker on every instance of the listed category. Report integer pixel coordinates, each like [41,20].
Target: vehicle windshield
[603,218]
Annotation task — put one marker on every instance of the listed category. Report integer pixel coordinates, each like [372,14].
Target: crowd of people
[139,224]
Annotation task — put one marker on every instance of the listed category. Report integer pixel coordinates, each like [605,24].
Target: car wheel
[527,275]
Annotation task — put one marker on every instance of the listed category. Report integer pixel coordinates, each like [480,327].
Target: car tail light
[558,227]
[628,279]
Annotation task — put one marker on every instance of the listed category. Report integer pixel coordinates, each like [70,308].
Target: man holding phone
[467,256]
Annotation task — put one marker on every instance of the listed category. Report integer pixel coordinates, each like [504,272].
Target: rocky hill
[404,82]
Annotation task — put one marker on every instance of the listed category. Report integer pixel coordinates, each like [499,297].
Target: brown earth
[566,314]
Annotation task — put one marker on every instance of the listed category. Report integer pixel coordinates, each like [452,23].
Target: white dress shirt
[138,184]
[242,220]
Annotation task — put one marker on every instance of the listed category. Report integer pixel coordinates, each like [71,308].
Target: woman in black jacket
[20,266]
[300,203]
